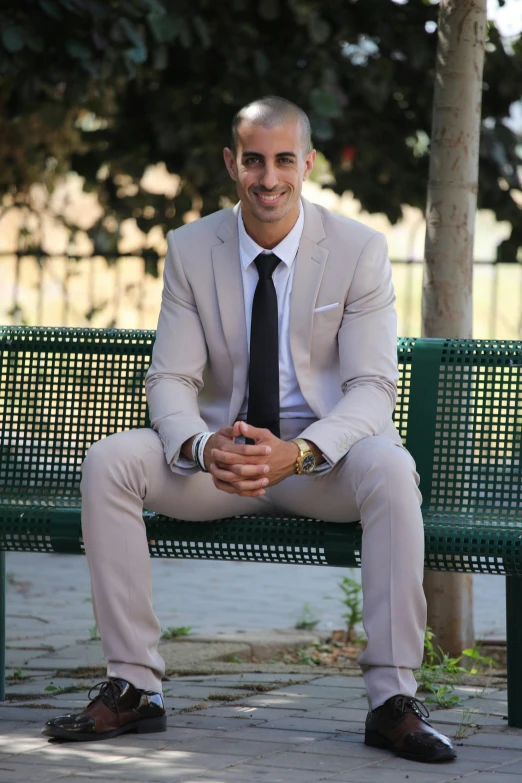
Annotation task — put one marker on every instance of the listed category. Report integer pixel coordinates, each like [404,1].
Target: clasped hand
[247,470]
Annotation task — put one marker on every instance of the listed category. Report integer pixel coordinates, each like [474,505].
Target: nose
[269,179]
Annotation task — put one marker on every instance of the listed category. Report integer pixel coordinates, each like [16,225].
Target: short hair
[269,112]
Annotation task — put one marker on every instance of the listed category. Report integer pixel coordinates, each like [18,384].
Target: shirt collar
[286,250]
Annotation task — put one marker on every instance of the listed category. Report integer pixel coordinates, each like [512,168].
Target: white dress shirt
[292,404]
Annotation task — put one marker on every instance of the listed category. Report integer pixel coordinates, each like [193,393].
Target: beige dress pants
[376,482]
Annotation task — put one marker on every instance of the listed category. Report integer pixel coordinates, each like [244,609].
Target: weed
[16,676]
[476,660]
[465,725]
[94,634]
[307,620]
[353,601]
[438,667]
[174,632]
[56,689]
[234,659]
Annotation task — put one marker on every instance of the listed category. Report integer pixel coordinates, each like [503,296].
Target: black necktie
[263,372]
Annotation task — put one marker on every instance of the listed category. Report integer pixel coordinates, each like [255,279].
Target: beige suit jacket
[345,357]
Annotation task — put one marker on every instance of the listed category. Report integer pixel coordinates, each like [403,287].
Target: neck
[269,235]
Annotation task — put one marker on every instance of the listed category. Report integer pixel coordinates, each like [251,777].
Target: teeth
[269,198]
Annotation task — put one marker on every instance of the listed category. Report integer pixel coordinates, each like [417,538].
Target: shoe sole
[375,740]
[143,726]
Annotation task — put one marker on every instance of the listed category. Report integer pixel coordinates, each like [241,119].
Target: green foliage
[307,620]
[106,89]
[16,676]
[352,591]
[174,632]
[94,634]
[440,673]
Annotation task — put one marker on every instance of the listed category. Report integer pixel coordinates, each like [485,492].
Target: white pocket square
[326,307]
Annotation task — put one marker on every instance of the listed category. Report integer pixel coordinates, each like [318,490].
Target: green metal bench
[458,413]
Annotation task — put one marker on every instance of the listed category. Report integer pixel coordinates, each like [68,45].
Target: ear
[230,162]
[309,163]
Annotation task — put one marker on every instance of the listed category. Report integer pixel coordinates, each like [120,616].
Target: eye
[251,160]
[286,161]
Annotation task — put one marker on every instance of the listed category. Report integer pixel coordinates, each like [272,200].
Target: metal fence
[119,291]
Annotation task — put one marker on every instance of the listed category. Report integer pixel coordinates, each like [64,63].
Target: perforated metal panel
[63,389]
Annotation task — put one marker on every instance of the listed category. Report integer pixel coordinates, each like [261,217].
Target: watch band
[305,462]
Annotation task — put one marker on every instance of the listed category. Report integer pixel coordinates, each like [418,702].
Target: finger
[255,433]
[252,455]
[226,432]
[231,490]
[243,471]
[246,485]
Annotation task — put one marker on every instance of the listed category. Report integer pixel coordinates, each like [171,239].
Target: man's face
[269,167]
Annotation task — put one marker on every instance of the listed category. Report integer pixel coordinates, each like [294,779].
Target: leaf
[13,38]
[138,54]
[268,9]
[261,62]
[132,33]
[325,104]
[77,49]
[319,31]
[164,28]
[203,32]
[52,9]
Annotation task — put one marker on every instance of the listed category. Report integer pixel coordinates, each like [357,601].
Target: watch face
[308,463]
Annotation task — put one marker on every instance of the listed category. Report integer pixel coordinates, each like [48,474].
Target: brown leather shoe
[118,708]
[400,725]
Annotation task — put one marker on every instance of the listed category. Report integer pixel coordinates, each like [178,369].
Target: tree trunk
[448,269]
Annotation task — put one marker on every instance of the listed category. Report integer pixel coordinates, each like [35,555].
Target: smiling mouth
[269,199]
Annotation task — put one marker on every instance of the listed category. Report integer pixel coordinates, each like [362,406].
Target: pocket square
[326,307]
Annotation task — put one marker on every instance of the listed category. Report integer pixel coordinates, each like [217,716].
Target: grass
[176,631]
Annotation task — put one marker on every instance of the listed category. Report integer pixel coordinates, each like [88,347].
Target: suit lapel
[229,289]
[310,264]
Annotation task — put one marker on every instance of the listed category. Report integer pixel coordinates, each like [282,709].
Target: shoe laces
[108,693]
[401,704]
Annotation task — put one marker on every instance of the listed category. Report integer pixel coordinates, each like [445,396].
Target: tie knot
[266,264]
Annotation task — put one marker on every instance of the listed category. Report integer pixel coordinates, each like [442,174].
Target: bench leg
[2,625]
[514,649]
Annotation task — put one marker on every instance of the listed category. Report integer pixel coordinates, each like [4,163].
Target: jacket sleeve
[368,358]
[175,376]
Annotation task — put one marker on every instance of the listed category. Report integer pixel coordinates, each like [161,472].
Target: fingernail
[267,450]
[266,469]
[265,482]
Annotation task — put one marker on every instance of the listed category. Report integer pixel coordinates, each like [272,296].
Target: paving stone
[248,773]
[492,777]
[275,700]
[324,763]
[462,715]
[224,745]
[193,719]
[500,739]
[340,714]
[339,681]
[247,711]
[325,691]
[375,774]
[316,725]
[262,734]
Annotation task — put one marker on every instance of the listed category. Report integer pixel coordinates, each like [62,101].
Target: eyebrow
[278,155]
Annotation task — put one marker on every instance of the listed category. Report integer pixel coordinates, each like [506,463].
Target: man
[271,389]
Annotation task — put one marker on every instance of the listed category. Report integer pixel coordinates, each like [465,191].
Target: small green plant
[234,659]
[440,673]
[56,689]
[465,725]
[476,660]
[307,620]
[352,591]
[17,675]
[174,632]
[94,634]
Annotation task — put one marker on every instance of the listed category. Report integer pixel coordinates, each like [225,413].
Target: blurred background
[113,117]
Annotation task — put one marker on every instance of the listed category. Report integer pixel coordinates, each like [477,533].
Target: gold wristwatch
[305,462]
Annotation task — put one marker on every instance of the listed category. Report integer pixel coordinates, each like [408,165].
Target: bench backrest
[62,389]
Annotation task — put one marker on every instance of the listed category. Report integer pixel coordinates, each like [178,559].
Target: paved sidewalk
[243,728]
